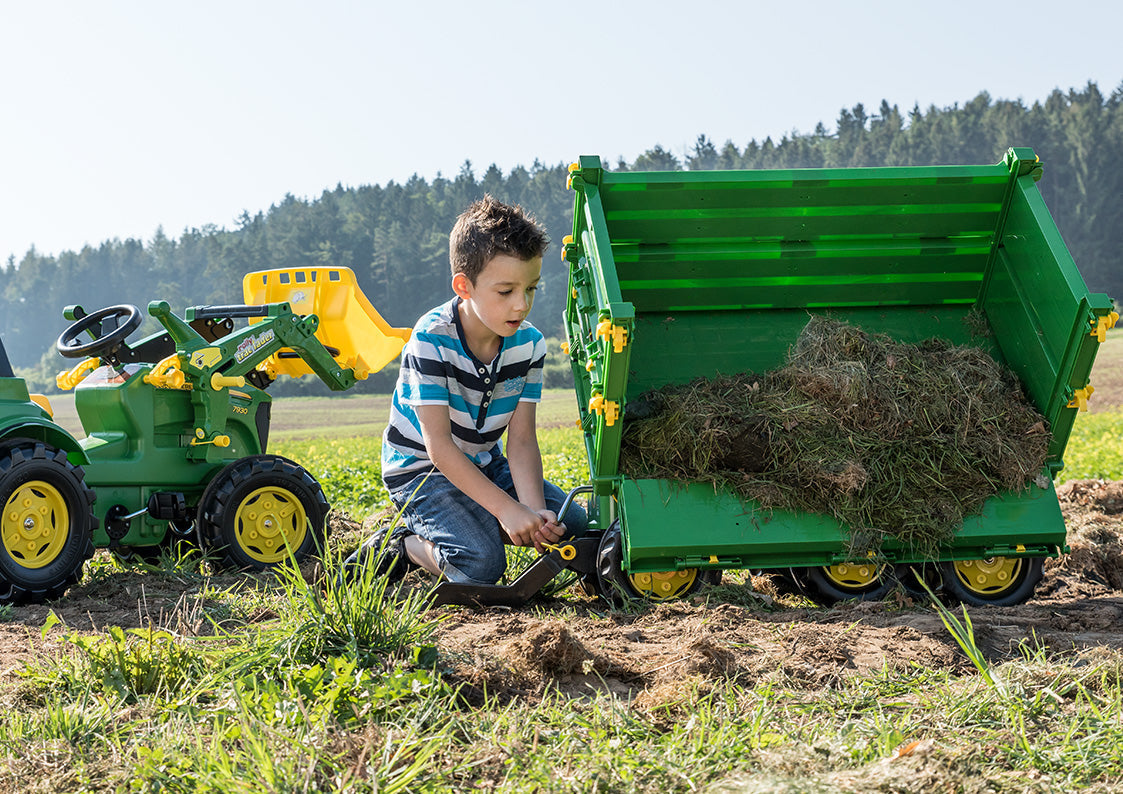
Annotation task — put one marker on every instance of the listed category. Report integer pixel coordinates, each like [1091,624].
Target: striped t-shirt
[438,368]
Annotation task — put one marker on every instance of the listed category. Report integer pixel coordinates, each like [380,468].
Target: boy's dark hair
[489,228]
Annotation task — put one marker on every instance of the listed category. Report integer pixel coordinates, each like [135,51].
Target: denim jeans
[469,541]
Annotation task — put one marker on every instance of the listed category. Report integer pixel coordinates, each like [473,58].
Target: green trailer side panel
[676,347]
[673,525]
[1041,312]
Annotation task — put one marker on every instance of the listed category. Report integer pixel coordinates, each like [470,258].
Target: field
[180,678]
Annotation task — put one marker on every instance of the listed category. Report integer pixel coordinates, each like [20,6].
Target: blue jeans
[469,541]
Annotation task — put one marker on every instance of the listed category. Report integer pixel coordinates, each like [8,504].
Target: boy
[472,370]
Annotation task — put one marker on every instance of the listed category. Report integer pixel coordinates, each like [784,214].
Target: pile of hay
[895,440]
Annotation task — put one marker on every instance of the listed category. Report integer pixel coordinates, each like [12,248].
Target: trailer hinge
[573,168]
[1080,398]
[609,409]
[617,333]
[568,247]
[1100,325]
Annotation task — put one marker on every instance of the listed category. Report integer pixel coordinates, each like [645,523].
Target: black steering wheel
[106,342]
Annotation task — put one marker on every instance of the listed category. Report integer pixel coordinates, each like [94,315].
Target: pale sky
[120,117]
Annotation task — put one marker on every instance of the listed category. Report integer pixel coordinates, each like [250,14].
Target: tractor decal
[252,344]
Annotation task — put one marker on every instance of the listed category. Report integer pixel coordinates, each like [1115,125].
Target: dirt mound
[1097,496]
[1093,511]
[666,657]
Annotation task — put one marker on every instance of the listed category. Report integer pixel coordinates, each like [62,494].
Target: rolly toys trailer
[676,276]
[177,428]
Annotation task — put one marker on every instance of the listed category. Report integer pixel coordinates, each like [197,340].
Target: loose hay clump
[892,439]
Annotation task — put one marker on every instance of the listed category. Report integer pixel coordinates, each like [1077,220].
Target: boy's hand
[522,525]
[551,531]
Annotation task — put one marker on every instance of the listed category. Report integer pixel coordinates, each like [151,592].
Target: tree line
[395,236]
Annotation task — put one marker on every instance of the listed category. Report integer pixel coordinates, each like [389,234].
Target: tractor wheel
[46,530]
[860,581]
[997,581]
[260,509]
[617,587]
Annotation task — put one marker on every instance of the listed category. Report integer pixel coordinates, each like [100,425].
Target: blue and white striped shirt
[438,368]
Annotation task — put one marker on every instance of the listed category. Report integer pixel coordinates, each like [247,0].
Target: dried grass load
[892,439]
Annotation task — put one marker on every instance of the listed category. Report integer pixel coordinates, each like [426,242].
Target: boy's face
[502,295]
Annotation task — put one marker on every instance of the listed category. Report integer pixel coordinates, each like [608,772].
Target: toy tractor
[177,428]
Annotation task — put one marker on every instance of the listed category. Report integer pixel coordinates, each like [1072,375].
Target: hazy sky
[119,117]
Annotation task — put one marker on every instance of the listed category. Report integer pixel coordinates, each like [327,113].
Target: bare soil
[649,655]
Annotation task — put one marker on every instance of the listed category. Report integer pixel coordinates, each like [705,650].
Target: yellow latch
[358,366]
[569,177]
[220,381]
[565,348]
[567,551]
[218,441]
[607,408]
[168,375]
[1100,325]
[1080,398]
[618,334]
[71,378]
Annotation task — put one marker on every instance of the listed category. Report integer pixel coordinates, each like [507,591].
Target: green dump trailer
[680,275]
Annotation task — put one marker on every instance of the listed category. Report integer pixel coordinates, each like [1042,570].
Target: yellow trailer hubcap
[269,522]
[36,524]
[852,575]
[989,577]
[664,585]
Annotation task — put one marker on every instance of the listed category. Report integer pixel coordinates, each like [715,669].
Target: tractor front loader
[177,429]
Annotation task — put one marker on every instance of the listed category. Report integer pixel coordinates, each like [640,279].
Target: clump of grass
[892,439]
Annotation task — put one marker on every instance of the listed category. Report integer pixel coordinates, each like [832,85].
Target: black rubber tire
[828,587]
[61,485]
[932,573]
[1024,579]
[234,488]
[617,587]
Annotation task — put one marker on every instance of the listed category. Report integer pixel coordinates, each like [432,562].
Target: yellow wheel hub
[269,522]
[852,575]
[989,577]
[35,525]
[664,585]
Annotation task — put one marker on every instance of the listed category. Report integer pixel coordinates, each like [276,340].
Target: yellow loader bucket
[350,327]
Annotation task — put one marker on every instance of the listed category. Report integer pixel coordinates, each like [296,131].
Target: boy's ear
[461,285]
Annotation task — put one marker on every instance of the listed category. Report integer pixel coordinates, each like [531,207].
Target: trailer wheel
[259,508]
[46,529]
[617,587]
[996,581]
[860,581]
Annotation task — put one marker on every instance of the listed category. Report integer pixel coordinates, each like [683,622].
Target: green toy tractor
[177,429]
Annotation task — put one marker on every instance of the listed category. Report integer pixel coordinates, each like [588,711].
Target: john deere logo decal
[251,344]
